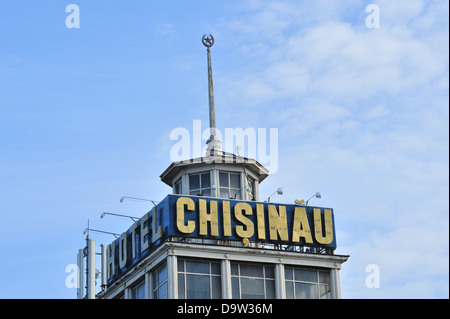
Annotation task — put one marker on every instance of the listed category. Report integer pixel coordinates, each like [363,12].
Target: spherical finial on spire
[208,41]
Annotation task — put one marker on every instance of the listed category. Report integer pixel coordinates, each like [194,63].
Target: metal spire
[213,144]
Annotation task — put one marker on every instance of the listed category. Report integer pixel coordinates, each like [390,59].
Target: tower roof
[225,159]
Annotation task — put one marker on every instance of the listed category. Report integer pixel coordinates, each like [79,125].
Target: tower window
[178,187]
[230,185]
[200,184]
[250,189]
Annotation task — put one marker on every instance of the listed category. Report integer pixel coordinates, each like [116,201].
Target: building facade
[213,238]
[191,270]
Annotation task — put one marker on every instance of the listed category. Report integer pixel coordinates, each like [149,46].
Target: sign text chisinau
[220,219]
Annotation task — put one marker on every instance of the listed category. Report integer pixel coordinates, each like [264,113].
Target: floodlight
[279,191]
[119,215]
[316,195]
[138,199]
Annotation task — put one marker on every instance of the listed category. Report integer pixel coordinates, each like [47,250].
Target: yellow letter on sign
[318,226]
[226,218]
[301,226]
[248,230]
[260,221]
[181,203]
[206,218]
[278,223]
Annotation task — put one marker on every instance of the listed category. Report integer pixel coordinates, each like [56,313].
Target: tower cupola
[219,174]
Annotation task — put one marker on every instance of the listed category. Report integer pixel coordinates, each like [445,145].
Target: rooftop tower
[219,174]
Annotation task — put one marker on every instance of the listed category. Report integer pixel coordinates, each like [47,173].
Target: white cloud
[363,118]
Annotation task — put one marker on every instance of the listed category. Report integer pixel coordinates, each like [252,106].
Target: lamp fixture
[302,201]
[279,191]
[316,195]
[138,199]
[87,230]
[120,215]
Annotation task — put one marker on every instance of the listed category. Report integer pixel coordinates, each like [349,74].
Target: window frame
[178,186]
[134,290]
[317,284]
[200,191]
[265,278]
[251,184]
[182,275]
[232,191]
[157,285]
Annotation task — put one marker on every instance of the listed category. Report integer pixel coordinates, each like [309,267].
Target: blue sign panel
[220,219]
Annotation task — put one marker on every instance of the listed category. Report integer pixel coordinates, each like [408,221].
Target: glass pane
[325,292]
[223,180]
[324,277]
[206,181]
[250,183]
[305,291]
[181,286]
[224,193]
[155,281]
[269,271]
[138,292]
[270,289]
[206,192]
[288,273]
[180,265]
[252,270]
[234,269]
[289,290]
[235,287]
[178,189]
[194,182]
[162,275]
[197,287]
[215,268]
[305,275]
[216,287]
[235,181]
[235,194]
[197,267]
[162,291]
[252,288]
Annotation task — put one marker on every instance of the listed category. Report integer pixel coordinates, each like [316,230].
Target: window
[307,283]
[199,279]
[200,184]
[138,291]
[250,188]
[230,185]
[160,283]
[178,187]
[252,281]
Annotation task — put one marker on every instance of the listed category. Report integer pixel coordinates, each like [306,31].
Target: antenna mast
[214,145]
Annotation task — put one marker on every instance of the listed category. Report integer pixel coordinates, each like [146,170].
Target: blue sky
[362,116]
